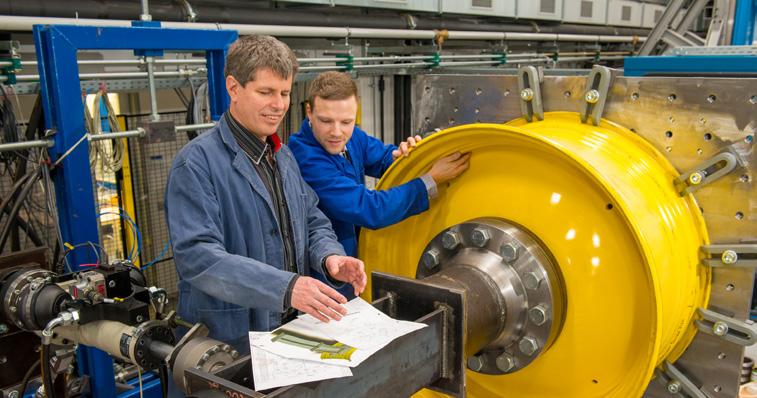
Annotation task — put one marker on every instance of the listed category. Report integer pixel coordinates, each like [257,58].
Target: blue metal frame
[744,22]
[690,65]
[56,47]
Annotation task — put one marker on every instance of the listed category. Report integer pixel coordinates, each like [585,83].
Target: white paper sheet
[271,371]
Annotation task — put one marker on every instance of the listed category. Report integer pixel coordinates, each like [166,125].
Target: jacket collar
[228,137]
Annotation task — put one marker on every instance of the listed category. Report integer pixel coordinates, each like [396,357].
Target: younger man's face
[332,122]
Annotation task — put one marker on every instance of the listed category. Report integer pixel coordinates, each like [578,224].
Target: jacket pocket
[227,325]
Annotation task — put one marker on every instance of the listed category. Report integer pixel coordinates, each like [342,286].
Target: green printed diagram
[328,349]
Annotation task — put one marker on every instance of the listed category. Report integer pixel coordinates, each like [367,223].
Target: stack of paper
[307,349]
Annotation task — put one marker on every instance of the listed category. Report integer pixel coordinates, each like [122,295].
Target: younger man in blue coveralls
[335,156]
[245,227]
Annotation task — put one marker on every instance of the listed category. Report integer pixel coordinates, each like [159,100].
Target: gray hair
[248,54]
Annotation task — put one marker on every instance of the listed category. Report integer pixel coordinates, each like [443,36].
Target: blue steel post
[64,112]
[744,22]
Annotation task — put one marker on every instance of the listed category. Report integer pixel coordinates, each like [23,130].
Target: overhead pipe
[17,23]
[211,11]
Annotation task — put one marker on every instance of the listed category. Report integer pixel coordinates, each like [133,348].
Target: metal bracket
[596,93]
[529,82]
[678,384]
[725,327]
[741,256]
[706,172]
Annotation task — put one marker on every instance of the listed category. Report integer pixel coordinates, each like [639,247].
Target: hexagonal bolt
[3,328]
[430,259]
[720,328]
[450,240]
[13,394]
[140,318]
[674,387]
[729,257]
[538,315]
[476,363]
[505,362]
[531,280]
[509,252]
[480,236]
[528,345]
[526,94]
[696,178]
[592,96]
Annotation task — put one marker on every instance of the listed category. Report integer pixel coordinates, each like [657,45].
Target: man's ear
[232,87]
[308,111]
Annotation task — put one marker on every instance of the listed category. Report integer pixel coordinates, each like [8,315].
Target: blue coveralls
[226,243]
[340,185]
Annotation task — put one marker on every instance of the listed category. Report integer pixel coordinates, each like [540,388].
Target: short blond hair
[332,85]
[249,54]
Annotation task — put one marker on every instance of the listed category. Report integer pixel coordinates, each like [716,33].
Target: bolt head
[526,94]
[3,360]
[720,328]
[480,236]
[592,96]
[450,240]
[430,259]
[3,328]
[528,345]
[505,362]
[13,394]
[729,257]
[696,178]
[140,318]
[538,315]
[674,387]
[476,363]
[531,280]
[112,284]
[509,252]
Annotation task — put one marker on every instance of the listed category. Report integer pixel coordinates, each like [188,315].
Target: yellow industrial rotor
[602,202]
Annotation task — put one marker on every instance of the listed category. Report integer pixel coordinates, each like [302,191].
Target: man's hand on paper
[315,298]
[347,269]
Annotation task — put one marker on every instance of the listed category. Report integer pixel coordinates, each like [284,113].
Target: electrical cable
[198,109]
[163,373]
[47,379]
[17,205]
[158,257]
[109,152]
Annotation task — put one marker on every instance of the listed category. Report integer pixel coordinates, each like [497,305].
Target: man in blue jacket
[245,227]
[335,156]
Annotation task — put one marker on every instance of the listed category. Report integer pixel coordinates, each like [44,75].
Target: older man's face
[260,105]
[332,122]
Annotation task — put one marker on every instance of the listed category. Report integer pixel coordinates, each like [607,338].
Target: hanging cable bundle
[198,110]
[110,153]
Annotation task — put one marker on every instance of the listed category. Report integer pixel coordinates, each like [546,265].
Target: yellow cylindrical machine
[601,202]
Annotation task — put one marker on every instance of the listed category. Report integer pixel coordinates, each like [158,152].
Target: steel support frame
[56,47]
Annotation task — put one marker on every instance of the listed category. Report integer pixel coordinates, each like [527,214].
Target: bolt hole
[609,206]
[456,109]
[744,178]
[739,215]
[451,90]
[711,98]
[671,119]
[451,121]
[702,120]
[707,136]
[721,355]
[753,100]
[633,131]
[668,149]
[717,389]
[506,93]
[729,287]
[479,91]
[749,139]
[672,97]
[426,120]
[595,381]
[567,94]
[699,151]
[635,96]
[427,89]
[668,134]
[701,210]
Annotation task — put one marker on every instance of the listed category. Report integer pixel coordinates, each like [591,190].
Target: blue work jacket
[227,245]
[340,185]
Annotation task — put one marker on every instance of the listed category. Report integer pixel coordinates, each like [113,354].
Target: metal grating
[625,13]
[482,3]
[547,6]
[587,8]
[150,164]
